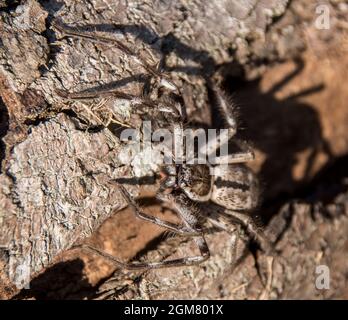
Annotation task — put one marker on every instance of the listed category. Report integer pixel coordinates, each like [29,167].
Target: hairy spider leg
[165,224]
[251,228]
[190,222]
[74,32]
[226,108]
[86,95]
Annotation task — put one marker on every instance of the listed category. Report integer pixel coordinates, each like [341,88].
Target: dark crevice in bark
[80,124]
[9,5]
[51,7]
[4,126]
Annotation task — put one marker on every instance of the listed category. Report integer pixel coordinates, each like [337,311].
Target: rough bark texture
[307,237]
[59,158]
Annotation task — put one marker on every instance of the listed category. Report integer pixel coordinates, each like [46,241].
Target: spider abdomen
[235,188]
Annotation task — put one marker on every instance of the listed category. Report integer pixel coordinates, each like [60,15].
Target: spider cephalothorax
[195,181]
[225,182]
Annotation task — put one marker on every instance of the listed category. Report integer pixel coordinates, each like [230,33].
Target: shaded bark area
[59,157]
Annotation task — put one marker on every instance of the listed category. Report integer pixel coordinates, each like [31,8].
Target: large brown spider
[233,187]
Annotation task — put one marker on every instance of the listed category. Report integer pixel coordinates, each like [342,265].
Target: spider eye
[167,180]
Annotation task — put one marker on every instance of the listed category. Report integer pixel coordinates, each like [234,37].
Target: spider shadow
[62,281]
[281,129]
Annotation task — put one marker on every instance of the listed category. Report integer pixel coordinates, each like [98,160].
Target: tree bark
[60,157]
